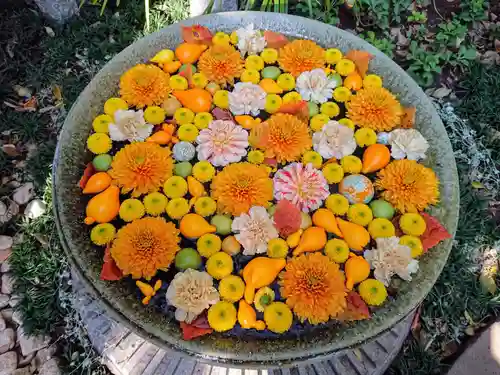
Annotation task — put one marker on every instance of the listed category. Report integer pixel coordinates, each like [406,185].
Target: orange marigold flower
[408,186]
[240,186]
[314,288]
[141,167]
[144,246]
[144,85]
[221,64]
[283,137]
[375,108]
[301,56]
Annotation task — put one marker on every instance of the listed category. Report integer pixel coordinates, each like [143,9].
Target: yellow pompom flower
[233,38]
[277,248]
[222,316]
[231,288]
[131,209]
[333,173]
[101,123]
[365,137]
[254,62]
[205,206]
[337,250]
[255,157]
[199,80]
[102,234]
[380,227]
[175,187]
[99,143]
[373,292]
[333,55]
[250,75]
[291,97]
[342,94]
[372,81]
[318,121]
[202,120]
[203,171]
[219,265]
[360,213]
[278,317]
[183,116]
[187,133]
[330,109]
[312,157]
[269,55]
[286,81]
[414,244]
[338,204]
[351,164]
[273,103]
[347,122]
[221,99]
[412,224]
[154,115]
[208,244]
[155,203]
[221,38]
[178,82]
[177,208]
[114,104]
[344,67]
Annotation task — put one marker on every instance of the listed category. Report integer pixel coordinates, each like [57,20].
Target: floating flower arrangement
[244,182]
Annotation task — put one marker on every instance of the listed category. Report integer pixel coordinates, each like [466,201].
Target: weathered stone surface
[30,344]
[8,363]
[5,254]
[5,267]
[3,325]
[8,314]
[7,340]
[6,242]
[35,208]
[24,361]
[43,355]
[22,371]
[24,193]
[4,300]
[7,283]
[49,368]
[14,300]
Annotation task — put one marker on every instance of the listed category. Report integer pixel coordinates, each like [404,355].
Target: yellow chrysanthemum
[144,246]
[144,85]
[301,56]
[314,288]
[375,108]
[221,64]
[141,168]
[408,186]
[283,137]
[240,186]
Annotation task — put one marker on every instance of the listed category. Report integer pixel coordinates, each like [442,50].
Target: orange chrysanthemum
[141,167]
[240,186]
[301,56]
[283,137]
[314,288]
[144,246]
[408,186]
[221,64]
[375,108]
[144,85]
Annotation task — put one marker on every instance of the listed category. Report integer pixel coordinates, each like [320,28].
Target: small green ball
[102,162]
[183,169]
[272,72]
[313,109]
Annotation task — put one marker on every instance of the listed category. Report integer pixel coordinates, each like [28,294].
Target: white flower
[222,143]
[247,98]
[250,41]
[334,140]
[391,258]
[315,86]
[408,143]
[255,229]
[191,292]
[129,126]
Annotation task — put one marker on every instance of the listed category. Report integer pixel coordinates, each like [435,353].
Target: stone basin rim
[260,353]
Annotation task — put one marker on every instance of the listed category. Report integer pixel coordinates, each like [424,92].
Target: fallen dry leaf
[496,43]
[49,31]
[441,92]
[10,150]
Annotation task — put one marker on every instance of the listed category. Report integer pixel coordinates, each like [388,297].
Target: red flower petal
[287,218]
[222,114]
[196,34]
[87,173]
[356,308]
[275,40]
[299,109]
[110,270]
[434,233]
[198,327]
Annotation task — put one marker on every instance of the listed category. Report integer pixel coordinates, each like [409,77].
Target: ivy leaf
[434,232]
[356,308]
[299,109]
[361,59]
[408,118]
[110,270]
[87,173]
[275,40]
[198,327]
[196,34]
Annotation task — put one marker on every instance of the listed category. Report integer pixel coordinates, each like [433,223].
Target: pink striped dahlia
[304,186]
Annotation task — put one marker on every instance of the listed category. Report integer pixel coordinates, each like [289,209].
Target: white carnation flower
[129,126]
[408,143]
[315,86]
